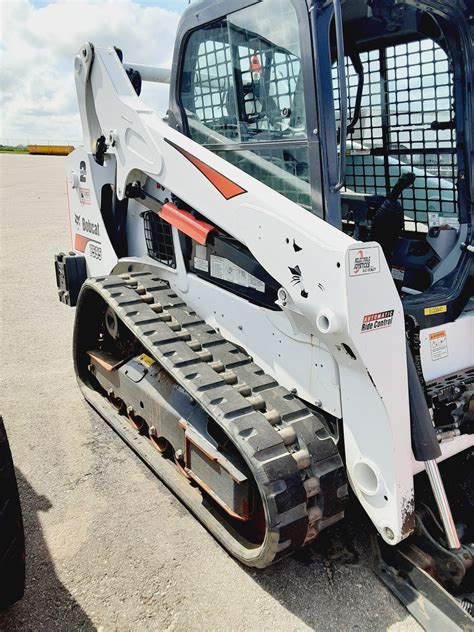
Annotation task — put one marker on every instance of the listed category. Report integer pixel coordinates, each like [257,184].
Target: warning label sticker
[379,320]
[84,196]
[438,345]
[433,219]
[364,261]
[217,267]
[201,251]
[398,273]
[201,264]
[256,284]
[146,360]
[228,271]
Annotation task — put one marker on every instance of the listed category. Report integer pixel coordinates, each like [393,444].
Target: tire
[12,538]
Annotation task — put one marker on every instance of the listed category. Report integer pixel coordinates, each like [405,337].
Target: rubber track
[261,417]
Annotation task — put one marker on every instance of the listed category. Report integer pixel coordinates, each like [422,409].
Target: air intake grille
[159,239]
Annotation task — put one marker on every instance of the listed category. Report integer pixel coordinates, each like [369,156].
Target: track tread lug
[152,315]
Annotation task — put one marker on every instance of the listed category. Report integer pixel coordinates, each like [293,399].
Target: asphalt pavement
[108,546]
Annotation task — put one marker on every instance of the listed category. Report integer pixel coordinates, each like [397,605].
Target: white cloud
[38,45]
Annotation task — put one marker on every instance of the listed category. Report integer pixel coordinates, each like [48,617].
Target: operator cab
[249,89]
[407,149]
[401,98]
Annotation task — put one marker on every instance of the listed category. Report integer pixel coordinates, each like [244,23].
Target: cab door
[244,88]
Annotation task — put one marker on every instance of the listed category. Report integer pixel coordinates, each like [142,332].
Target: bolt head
[389,534]
[282,295]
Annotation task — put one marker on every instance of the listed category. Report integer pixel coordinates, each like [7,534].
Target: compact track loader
[274,285]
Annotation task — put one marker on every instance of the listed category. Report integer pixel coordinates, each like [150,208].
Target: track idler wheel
[111,323]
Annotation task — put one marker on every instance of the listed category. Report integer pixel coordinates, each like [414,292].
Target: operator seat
[444,300]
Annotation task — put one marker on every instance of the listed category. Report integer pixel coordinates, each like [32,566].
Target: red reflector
[255,65]
[186,223]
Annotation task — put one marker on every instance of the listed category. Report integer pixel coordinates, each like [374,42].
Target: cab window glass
[242,77]
[207,84]
[242,84]
[268,86]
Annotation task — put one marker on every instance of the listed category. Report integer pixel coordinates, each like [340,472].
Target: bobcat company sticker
[438,345]
[364,261]
[379,320]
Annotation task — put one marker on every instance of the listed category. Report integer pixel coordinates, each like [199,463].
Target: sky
[38,43]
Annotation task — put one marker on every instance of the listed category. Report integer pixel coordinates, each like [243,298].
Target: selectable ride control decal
[226,187]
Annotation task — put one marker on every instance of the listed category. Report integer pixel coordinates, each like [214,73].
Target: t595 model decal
[95,248]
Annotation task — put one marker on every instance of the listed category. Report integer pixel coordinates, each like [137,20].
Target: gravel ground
[108,546]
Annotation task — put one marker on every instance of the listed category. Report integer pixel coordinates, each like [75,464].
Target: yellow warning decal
[437,335]
[439,309]
[145,359]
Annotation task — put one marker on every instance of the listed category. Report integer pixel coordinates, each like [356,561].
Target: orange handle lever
[186,223]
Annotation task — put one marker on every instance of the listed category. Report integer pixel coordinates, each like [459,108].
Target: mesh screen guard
[407,87]
[159,239]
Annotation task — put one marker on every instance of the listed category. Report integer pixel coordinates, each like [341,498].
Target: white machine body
[340,343]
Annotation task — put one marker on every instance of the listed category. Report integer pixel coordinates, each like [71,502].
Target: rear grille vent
[159,239]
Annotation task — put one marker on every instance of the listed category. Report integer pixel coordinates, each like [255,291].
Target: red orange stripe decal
[226,187]
[80,242]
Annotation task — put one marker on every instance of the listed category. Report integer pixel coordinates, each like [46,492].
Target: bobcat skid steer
[274,285]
